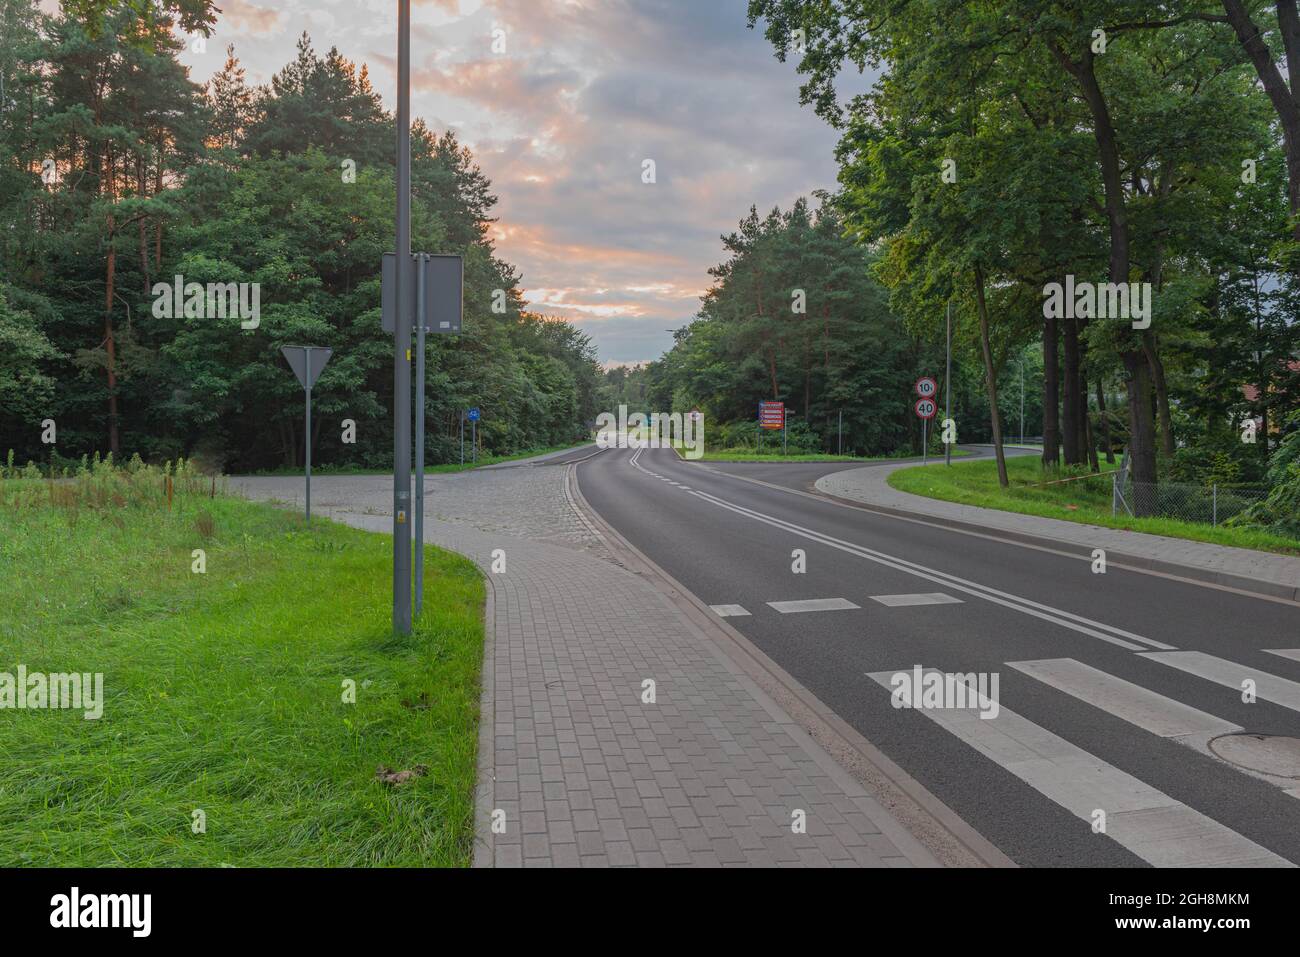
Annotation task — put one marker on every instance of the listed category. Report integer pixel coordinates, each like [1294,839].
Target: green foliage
[793,315]
[157,177]
[222,690]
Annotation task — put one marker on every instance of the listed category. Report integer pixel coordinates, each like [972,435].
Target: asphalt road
[1120,680]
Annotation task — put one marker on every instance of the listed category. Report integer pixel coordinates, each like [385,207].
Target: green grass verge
[224,690]
[750,455]
[429,469]
[1087,501]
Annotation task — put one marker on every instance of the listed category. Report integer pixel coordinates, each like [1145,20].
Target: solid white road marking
[929,598]
[1132,703]
[1292,653]
[728,611]
[1231,674]
[1023,605]
[812,604]
[1157,828]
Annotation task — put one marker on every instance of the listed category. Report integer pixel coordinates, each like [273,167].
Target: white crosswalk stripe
[1152,825]
[1231,674]
[1137,705]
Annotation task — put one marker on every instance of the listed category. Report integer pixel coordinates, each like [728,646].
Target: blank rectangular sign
[444,278]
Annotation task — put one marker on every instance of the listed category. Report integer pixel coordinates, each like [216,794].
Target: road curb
[485,786]
[913,815]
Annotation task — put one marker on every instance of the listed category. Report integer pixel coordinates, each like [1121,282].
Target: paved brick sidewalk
[870,485]
[587,774]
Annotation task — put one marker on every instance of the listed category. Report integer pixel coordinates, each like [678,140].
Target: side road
[1262,573]
[614,730]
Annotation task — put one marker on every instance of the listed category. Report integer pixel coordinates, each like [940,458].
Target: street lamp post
[402,336]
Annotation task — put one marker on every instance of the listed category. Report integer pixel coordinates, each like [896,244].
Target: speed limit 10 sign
[926,408]
[926,387]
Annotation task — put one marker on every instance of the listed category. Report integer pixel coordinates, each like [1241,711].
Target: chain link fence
[1206,504]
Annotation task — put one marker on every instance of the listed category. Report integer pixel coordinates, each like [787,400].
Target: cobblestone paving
[586,772]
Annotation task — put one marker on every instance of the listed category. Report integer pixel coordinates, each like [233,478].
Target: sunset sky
[586,90]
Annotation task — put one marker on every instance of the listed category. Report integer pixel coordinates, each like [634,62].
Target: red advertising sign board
[771,415]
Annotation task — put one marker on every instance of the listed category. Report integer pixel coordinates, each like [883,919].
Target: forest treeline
[119,172]
[1021,145]
[1082,143]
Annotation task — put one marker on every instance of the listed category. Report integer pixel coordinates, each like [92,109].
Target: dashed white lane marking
[728,611]
[1292,653]
[812,604]
[1137,705]
[1231,674]
[924,598]
[1065,619]
[1152,825]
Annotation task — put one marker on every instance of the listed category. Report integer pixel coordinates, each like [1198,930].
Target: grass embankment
[750,455]
[1087,501]
[224,690]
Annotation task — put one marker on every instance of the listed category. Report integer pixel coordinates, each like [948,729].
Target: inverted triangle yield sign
[307,362]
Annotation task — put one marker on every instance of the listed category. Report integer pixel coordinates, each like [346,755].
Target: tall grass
[224,689]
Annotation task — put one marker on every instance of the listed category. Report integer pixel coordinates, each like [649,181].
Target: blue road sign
[473,415]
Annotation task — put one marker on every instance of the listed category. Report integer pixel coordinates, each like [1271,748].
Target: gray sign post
[402,335]
[307,363]
[419,433]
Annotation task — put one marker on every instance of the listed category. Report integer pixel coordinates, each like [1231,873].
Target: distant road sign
[926,387]
[771,415]
[443,284]
[926,408]
[473,415]
[695,415]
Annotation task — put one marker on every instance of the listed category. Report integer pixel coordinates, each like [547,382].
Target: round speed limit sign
[926,387]
[926,408]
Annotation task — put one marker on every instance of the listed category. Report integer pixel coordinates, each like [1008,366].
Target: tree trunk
[1051,396]
[1089,441]
[1141,423]
[1105,422]
[110,346]
[990,378]
[1070,424]
[1283,98]
[1162,393]
[1141,448]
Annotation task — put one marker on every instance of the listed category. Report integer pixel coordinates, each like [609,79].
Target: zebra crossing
[1151,824]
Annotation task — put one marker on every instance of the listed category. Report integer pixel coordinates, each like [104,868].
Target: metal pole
[462,436]
[307,353]
[1022,399]
[419,435]
[402,336]
[473,444]
[1215,488]
[841,447]
[947,385]
[925,446]
[785,433]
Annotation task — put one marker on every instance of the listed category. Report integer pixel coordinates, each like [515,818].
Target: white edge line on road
[1023,605]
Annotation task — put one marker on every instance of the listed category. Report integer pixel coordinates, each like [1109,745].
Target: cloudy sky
[562,121]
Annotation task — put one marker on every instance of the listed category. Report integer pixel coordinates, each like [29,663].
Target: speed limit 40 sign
[926,408]
[926,387]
